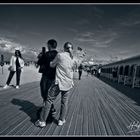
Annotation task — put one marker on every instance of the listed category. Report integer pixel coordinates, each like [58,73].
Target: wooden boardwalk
[95,109]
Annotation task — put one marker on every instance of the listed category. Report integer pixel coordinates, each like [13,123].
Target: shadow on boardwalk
[133,93]
[26,106]
[95,109]
[31,110]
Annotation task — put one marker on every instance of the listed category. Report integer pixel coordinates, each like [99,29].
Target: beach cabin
[127,71]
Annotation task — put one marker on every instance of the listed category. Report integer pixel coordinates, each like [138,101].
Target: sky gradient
[103,31]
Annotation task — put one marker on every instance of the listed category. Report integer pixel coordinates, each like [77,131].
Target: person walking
[48,73]
[16,66]
[80,68]
[64,64]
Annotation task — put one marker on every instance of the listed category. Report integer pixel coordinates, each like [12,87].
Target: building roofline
[124,60]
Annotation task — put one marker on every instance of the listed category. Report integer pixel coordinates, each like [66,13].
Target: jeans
[45,84]
[52,94]
[18,73]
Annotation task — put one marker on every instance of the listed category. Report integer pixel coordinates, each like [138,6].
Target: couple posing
[57,77]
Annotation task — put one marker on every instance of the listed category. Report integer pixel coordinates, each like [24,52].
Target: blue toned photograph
[69,69]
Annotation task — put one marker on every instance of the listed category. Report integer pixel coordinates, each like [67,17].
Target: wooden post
[134,76]
[2,62]
[2,69]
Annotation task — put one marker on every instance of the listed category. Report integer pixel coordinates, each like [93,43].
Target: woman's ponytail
[67,47]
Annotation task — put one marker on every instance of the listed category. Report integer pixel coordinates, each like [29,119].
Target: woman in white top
[16,65]
[65,65]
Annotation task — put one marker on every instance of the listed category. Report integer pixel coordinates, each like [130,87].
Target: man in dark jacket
[80,68]
[48,73]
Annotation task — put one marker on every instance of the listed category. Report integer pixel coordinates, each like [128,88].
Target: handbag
[11,68]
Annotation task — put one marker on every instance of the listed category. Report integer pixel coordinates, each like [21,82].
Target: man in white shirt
[65,65]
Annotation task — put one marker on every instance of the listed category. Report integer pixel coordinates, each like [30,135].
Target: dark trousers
[98,74]
[18,73]
[52,94]
[80,74]
[45,84]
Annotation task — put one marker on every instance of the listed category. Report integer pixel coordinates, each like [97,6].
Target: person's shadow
[31,110]
[1,86]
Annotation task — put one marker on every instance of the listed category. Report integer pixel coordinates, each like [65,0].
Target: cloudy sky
[104,31]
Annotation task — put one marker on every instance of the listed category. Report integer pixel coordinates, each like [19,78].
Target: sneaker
[60,122]
[38,123]
[53,111]
[17,87]
[6,86]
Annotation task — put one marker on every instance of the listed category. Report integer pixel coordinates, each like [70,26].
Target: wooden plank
[14,113]
[73,123]
[109,112]
[99,116]
[111,115]
[78,130]
[94,109]
[109,109]
[23,128]
[72,111]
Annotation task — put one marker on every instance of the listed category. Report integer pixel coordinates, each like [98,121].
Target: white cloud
[84,39]
[130,23]
[98,39]
[87,34]
[9,46]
